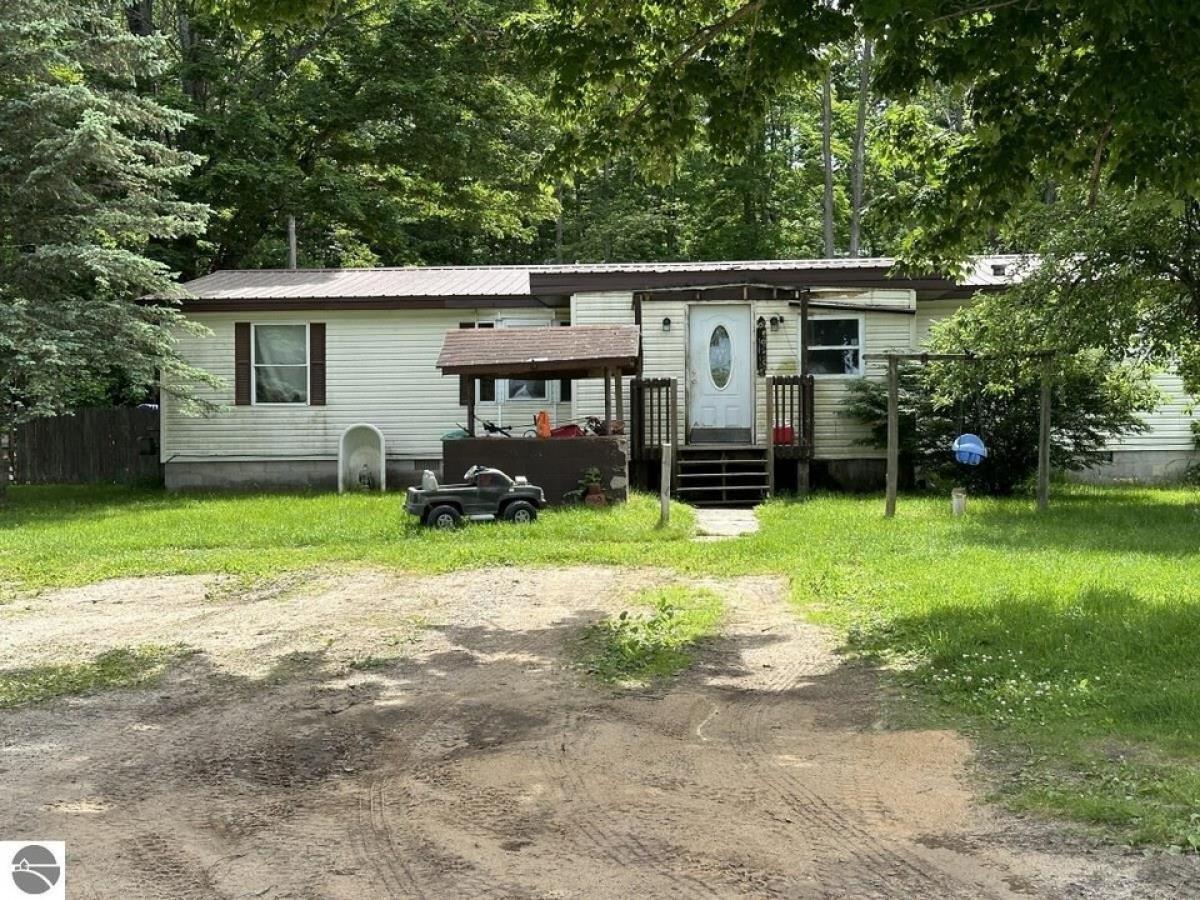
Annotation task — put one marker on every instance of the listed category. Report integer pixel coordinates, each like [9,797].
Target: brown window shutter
[241,364]
[316,364]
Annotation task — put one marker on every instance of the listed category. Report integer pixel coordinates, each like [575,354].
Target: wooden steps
[722,475]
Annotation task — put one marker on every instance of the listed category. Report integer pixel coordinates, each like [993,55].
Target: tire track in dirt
[482,765]
[387,842]
[606,828]
[868,865]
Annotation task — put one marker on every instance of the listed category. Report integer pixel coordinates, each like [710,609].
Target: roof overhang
[247,304]
[571,351]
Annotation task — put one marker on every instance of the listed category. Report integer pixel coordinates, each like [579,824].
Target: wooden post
[893,435]
[664,488]
[804,334]
[6,445]
[770,437]
[1043,476]
[471,406]
[673,424]
[635,415]
[620,396]
[607,397]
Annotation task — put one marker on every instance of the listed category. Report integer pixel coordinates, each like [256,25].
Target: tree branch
[972,10]
[707,35]
[1097,160]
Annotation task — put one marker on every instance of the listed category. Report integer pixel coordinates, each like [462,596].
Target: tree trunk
[558,224]
[140,17]
[827,155]
[860,140]
[6,461]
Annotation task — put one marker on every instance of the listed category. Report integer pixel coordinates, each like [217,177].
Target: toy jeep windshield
[486,494]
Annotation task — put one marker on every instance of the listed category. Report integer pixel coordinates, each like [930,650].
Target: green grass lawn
[1068,642]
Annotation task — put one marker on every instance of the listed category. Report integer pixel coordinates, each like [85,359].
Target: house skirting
[1127,466]
[279,474]
[1141,467]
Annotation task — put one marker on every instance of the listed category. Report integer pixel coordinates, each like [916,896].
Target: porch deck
[718,473]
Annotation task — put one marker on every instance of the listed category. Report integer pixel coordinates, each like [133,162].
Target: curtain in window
[280,364]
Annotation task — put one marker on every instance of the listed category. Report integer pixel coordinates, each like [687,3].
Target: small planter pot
[594,496]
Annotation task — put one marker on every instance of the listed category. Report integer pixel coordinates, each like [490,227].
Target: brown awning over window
[572,351]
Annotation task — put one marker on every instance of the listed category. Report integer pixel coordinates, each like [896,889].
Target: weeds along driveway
[351,734]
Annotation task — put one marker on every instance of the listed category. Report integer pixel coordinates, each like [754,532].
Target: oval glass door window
[720,356]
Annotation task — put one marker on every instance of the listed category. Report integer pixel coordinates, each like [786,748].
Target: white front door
[720,374]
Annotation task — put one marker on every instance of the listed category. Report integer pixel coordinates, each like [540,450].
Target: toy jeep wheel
[443,518]
[520,512]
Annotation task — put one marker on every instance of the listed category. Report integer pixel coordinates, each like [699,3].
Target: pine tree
[87,176]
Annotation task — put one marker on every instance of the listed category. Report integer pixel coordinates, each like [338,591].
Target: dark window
[836,347]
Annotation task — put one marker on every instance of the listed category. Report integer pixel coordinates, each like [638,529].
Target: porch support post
[893,435]
[770,437]
[673,425]
[620,395]
[471,388]
[804,333]
[1043,476]
[607,397]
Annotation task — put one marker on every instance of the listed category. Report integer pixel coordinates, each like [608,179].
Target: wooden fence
[109,444]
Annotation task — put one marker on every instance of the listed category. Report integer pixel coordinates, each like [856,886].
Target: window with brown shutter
[241,363]
[316,364]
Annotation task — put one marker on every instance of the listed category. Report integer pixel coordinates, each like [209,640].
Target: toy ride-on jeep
[486,494]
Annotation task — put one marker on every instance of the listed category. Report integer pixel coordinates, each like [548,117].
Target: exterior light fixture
[776,321]
[667,324]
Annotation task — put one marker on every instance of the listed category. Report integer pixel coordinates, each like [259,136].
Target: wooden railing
[790,415]
[654,416]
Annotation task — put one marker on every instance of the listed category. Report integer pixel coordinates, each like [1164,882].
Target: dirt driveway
[362,734]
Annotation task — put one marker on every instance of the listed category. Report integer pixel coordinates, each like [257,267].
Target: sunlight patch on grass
[638,647]
[124,667]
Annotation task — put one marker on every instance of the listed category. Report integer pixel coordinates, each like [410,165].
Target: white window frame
[862,345]
[254,401]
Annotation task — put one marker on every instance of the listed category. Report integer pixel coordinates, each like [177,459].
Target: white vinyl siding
[665,356]
[1170,424]
[380,369]
[609,308]
[837,435]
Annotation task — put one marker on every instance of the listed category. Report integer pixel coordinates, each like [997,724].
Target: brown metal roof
[575,351]
[332,284]
[512,285]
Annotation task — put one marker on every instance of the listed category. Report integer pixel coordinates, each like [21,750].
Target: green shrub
[999,400]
